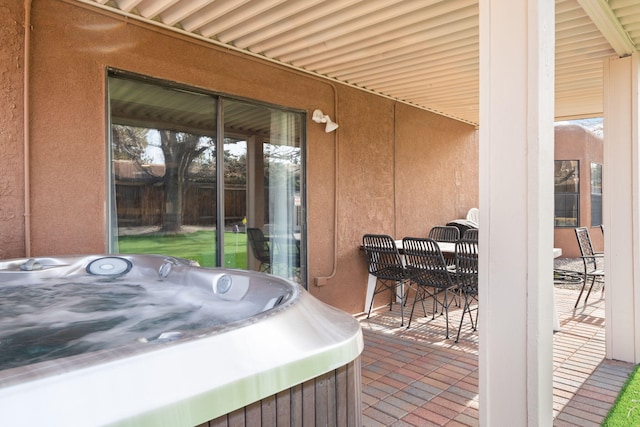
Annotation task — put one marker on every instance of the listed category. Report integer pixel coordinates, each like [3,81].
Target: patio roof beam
[603,17]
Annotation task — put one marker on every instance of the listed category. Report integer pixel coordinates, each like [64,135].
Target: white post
[516,209]
[621,209]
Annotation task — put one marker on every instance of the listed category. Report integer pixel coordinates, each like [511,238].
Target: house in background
[578,170]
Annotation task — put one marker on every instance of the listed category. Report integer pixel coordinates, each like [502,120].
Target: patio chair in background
[466,277]
[284,253]
[260,248]
[471,234]
[444,233]
[428,270]
[384,262]
[590,263]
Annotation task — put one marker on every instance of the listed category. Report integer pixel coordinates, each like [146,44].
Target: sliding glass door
[211,179]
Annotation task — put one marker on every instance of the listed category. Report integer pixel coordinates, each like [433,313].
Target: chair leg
[375,290]
[419,297]
[467,308]
[382,286]
[402,303]
[474,325]
[464,309]
[436,302]
[446,313]
[421,294]
[434,309]
[593,280]
[584,283]
[424,310]
[446,302]
[456,297]
[445,305]
[393,295]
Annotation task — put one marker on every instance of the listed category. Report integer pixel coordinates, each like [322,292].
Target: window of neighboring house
[567,193]
[182,185]
[596,194]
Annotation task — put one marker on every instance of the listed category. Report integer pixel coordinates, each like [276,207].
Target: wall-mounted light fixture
[320,117]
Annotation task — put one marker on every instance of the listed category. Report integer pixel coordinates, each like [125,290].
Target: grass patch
[626,409]
[199,246]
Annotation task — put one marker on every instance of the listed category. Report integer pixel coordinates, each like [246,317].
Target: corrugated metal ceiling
[422,52]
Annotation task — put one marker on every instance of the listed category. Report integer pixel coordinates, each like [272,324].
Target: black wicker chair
[444,233]
[471,234]
[466,277]
[428,270]
[384,262]
[590,258]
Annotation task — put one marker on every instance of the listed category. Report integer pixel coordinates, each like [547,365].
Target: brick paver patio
[416,377]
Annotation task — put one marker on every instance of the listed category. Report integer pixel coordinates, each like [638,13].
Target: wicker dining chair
[444,233]
[466,278]
[384,262]
[470,234]
[428,270]
[591,269]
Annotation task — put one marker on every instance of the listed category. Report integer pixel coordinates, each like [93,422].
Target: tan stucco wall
[400,170]
[11,129]
[573,142]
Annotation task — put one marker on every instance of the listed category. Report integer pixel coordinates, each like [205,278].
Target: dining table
[448,249]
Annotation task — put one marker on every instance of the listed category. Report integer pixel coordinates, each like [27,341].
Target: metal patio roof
[421,52]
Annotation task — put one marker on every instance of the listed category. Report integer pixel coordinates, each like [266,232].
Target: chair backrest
[467,265]
[444,233]
[259,245]
[383,257]
[586,249]
[471,234]
[425,263]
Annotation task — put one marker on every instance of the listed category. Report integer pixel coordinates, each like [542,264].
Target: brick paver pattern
[416,377]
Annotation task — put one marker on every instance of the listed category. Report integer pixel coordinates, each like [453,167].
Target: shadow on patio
[416,377]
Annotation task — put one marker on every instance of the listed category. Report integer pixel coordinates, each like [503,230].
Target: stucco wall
[436,169]
[390,168]
[11,129]
[573,142]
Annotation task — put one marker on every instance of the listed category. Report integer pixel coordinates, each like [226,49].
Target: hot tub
[137,340]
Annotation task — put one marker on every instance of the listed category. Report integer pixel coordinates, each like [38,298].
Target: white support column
[516,209]
[621,209]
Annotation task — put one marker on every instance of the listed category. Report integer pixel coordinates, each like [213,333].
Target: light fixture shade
[319,117]
[331,126]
